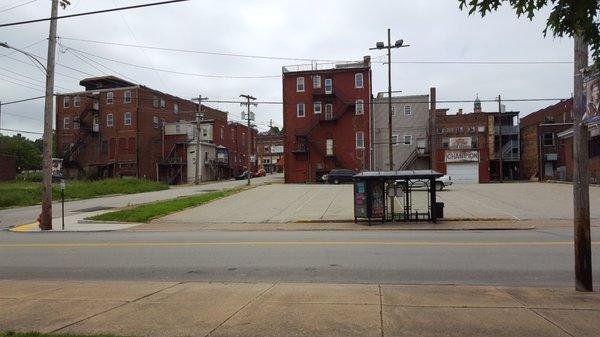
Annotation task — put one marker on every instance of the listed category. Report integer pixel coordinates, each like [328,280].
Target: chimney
[367,61]
[460,111]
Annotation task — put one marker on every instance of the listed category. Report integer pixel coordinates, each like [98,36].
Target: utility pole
[581,193]
[199,118]
[500,141]
[248,119]
[433,128]
[46,216]
[381,45]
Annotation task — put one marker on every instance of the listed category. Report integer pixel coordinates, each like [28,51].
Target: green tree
[29,156]
[567,17]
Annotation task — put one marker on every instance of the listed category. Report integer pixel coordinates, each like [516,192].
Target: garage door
[463,172]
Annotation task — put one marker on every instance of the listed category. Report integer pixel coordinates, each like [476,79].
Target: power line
[482,62]
[201,51]
[17,6]
[30,78]
[22,116]
[22,100]
[21,131]
[22,85]
[171,71]
[90,13]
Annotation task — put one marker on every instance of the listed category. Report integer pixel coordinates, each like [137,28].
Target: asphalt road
[22,215]
[533,258]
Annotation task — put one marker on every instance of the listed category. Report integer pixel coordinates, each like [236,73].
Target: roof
[109,78]
[396,175]
[555,110]
[314,67]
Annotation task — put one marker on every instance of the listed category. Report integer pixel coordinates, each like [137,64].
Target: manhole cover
[93,209]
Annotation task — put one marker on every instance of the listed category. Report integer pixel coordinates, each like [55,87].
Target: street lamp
[389,47]
[46,214]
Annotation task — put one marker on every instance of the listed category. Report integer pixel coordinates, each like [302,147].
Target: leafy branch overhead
[567,17]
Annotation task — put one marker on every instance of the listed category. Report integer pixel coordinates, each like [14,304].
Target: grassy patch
[37,334]
[147,212]
[25,193]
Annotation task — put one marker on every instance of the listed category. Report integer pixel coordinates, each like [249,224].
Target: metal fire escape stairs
[84,131]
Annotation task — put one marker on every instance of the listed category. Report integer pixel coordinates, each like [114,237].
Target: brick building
[593,152]
[469,144]
[116,128]
[326,119]
[269,146]
[542,151]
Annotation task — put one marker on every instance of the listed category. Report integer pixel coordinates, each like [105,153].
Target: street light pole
[248,118]
[199,118]
[381,45]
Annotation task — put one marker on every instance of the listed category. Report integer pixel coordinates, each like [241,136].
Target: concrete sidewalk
[266,309]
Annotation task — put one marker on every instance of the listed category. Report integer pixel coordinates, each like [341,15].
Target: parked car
[243,176]
[340,176]
[259,173]
[440,183]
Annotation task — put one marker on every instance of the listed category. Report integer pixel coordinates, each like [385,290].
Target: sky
[436,30]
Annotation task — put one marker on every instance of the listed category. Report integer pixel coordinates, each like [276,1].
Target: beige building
[410,132]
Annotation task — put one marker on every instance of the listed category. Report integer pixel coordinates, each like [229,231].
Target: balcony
[507,130]
[510,151]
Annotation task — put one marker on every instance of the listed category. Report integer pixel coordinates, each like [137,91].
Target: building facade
[593,153]
[410,132]
[473,147]
[8,167]
[326,119]
[543,152]
[269,146]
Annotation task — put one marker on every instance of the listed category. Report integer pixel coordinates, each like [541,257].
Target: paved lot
[301,309]
[295,203]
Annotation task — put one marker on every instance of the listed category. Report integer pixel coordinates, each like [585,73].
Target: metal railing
[507,129]
[323,66]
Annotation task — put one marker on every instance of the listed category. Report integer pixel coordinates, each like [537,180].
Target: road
[21,215]
[519,258]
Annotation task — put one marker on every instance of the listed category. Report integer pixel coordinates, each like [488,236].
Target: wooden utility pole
[581,193]
[500,150]
[199,118]
[248,119]
[433,126]
[46,216]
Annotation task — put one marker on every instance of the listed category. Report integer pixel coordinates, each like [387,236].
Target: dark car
[340,176]
[243,176]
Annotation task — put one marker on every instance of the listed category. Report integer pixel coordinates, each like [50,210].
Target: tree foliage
[27,152]
[567,17]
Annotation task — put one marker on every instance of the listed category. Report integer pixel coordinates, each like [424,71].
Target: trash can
[439,210]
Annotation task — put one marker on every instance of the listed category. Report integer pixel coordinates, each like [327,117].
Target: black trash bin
[439,210]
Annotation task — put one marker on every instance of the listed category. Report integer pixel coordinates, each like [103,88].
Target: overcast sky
[340,30]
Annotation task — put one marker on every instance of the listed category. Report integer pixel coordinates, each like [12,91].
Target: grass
[25,193]
[37,334]
[147,212]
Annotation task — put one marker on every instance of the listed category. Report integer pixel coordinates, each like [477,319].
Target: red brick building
[542,151]
[469,145]
[326,119]
[593,152]
[115,128]
[270,151]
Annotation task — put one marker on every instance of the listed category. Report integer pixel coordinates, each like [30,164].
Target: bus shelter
[393,195]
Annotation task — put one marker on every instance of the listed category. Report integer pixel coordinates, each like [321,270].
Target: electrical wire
[22,100]
[22,131]
[90,13]
[21,116]
[17,6]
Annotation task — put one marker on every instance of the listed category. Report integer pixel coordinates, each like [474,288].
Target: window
[233,134]
[205,132]
[175,108]
[548,139]
[155,122]
[358,80]
[329,147]
[267,161]
[110,97]
[445,143]
[109,120]
[393,111]
[267,148]
[360,107]
[76,123]
[360,140]
[407,140]
[163,104]
[66,123]
[66,102]
[177,128]
[394,139]
[317,81]
[155,102]
[222,133]
[77,101]
[300,110]
[328,86]
[127,96]
[300,84]
[317,107]
[127,118]
[407,110]
[104,146]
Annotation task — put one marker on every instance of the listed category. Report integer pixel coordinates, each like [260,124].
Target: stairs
[410,160]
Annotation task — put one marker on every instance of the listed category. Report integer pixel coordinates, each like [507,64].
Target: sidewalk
[266,309]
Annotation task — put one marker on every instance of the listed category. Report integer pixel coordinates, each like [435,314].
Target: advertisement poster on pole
[592,99]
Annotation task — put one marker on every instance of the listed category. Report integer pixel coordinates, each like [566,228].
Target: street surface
[293,203]
[22,215]
[522,257]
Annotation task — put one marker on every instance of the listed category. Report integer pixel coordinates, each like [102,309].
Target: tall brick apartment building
[543,152]
[326,119]
[115,128]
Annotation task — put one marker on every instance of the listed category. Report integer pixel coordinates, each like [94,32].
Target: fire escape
[326,117]
[86,125]
[174,163]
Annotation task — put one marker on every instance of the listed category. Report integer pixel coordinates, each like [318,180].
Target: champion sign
[461,156]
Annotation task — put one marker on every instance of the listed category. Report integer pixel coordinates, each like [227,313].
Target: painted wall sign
[458,143]
[592,93]
[461,156]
